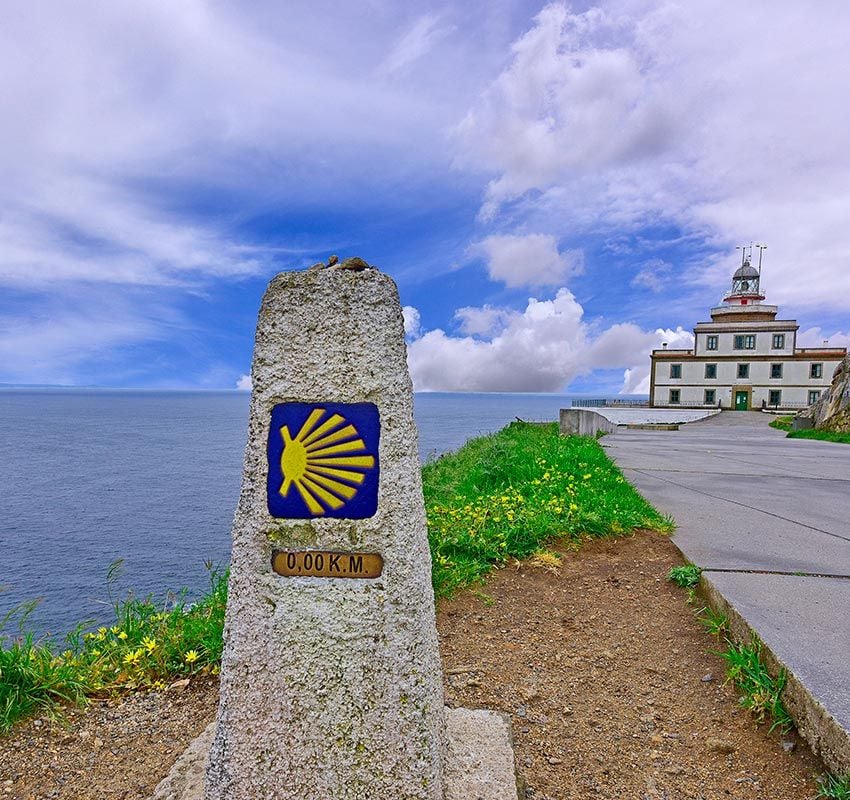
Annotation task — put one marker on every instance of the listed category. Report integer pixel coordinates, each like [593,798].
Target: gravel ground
[602,666]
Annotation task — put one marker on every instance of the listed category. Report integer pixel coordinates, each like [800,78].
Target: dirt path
[602,667]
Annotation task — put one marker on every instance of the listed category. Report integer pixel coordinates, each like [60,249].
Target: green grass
[714,622]
[147,646]
[784,424]
[834,787]
[760,692]
[502,496]
[824,436]
[686,576]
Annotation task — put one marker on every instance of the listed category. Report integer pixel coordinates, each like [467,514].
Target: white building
[744,358]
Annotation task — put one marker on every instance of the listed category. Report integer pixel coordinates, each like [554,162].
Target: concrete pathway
[768,519]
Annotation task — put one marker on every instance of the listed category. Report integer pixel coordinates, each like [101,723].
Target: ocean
[88,477]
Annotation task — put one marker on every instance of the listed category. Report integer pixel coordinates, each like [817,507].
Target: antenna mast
[761,249]
[743,248]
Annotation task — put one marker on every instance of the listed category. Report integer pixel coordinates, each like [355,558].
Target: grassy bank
[498,498]
[502,496]
[784,424]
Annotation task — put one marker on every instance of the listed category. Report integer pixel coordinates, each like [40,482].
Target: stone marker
[331,686]
[330,683]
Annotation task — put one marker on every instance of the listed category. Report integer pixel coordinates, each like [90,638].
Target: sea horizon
[92,475]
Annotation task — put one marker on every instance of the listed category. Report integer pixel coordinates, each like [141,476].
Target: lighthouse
[744,358]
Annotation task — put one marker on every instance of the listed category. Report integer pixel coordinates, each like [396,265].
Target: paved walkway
[768,519]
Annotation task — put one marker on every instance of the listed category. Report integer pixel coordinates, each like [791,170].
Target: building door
[741,401]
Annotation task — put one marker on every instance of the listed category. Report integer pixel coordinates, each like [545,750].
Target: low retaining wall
[583,422]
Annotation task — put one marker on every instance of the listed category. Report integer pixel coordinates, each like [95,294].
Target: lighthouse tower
[746,288]
[744,301]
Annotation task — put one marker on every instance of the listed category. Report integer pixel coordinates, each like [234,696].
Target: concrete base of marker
[582,422]
[479,760]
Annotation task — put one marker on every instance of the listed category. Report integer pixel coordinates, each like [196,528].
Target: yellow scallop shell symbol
[325,462]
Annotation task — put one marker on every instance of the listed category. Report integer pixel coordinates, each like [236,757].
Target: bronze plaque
[326,564]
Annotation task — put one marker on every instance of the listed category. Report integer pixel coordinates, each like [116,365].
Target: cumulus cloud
[530,260]
[411,321]
[636,378]
[482,320]
[244,383]
[727,125]
[540,349]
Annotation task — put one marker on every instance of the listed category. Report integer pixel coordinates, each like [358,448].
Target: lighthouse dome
[746,272]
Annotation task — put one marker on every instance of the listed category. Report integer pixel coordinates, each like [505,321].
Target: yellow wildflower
[191,657]
[149,644]
[133,657]
[122,636]
[114,629]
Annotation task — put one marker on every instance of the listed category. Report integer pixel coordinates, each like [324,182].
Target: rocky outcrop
[832,411]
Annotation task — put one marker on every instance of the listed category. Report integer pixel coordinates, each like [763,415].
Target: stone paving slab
[749,500]
[717,534]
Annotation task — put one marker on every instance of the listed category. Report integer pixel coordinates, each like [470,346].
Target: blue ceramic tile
[323,460]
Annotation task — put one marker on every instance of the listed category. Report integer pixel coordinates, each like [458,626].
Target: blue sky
[557,188]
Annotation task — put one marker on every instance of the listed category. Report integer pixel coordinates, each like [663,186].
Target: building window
[814,396]
[711,371]
[775,397]
[776,370]
[816,371]
[675,370]
[743,370]
[747,342]
[710,397]
[778,341]
[674,396]
[711,343]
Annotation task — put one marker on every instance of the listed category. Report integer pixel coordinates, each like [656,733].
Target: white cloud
[654,275]
[540,349]
[244,383]
[482,320]
[728,123]
[120,118]
[815,337]
[530,260]
[411,321]
[636,378]
[419,39]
